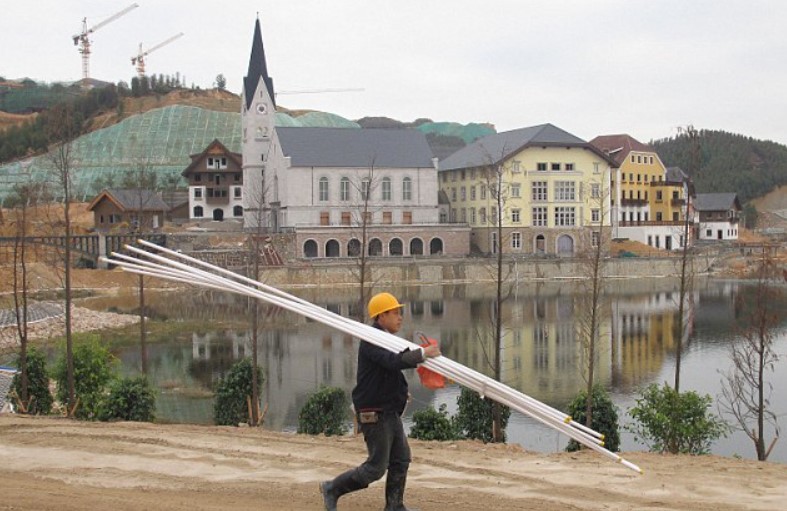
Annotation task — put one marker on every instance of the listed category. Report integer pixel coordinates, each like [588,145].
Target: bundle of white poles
[160,262]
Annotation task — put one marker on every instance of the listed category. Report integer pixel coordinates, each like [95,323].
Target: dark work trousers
[388,449]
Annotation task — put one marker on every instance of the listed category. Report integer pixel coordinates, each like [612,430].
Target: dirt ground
[53,463]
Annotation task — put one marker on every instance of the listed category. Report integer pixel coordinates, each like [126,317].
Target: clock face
[261,108]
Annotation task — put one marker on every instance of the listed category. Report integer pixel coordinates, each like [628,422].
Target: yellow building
[554,191]
[648,200]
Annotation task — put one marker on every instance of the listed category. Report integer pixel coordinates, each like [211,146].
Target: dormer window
[217,163]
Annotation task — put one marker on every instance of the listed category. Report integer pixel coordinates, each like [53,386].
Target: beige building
[552,188]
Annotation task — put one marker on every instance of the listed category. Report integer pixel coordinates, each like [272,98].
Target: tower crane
[139,60]
[83,39]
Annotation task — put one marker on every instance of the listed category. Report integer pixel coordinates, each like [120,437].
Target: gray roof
[676,175]
[495,148]
[138,199]
[716,201]
[359,148]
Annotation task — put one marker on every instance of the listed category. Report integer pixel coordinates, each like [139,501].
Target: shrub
[605,417]
[324,412]
[94,368]
[431,424]
[231,407]
[37,383]
[674,422]
[474,418]
[130,399]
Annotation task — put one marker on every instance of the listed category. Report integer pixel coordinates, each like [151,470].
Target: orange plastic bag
[430,379]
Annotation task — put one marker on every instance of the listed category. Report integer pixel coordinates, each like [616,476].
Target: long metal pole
[174,270]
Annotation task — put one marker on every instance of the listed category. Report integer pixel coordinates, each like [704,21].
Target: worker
[379,398]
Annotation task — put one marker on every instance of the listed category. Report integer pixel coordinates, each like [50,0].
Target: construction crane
[83,39]
[139,60]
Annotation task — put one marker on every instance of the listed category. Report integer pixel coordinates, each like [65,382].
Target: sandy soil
[53,463]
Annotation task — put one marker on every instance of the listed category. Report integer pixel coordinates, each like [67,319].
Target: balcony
[217,195]
[633,202]
[678,202]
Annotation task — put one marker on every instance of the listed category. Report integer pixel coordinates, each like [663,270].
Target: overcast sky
[590,67]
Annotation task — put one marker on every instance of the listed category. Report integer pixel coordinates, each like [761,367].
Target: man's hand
[432,351]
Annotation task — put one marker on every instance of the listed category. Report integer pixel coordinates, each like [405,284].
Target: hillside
[727,162]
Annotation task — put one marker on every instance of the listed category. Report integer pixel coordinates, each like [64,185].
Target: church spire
[257,69]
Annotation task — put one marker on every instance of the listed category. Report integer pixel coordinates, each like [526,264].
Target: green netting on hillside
[160,140]
[467,132]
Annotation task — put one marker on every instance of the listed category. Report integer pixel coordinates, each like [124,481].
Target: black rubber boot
[332,490]
[394,492]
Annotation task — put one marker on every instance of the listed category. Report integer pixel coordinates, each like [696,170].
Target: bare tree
[686,269]
[745,390]
[65,125]
[592,263]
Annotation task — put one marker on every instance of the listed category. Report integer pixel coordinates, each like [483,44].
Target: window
[595,190]
[197,178]
[540,217]
[463,175]
[541,167]
[365,185]
[237,211]
[453,194]
[323,187]
[632,158]
[516,166]
[236,177]
[463,193]
[659,216]
[463,215]
[564,191]
[407,217]
[217,163]
[569,167]
[472,215]
[236,191]
[539,191]
[198,212]
[386,188]
[346,218]
[596,169]
[387,218]
[555,166]
[595,236]
[482,215]
[407,189]
[565,217]
[623,176]
[516,240]
[198,193]
[515,193]
[472,192]
[675,216]
[516,215]
[325,218]
[344,189]
[595,215]
[659,196]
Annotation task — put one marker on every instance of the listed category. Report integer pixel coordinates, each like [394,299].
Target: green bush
[474,418]
[94,368]
[231,407]
[431,424]
[605,417]
[325,412]
[130,399]
[37,383]
[674,422]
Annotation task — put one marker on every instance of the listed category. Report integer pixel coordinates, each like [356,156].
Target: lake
[540,355]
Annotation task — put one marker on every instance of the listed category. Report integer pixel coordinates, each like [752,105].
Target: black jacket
[380,383]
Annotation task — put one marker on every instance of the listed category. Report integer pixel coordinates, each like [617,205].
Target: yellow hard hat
[382,302]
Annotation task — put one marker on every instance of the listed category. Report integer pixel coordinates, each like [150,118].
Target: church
[338,191]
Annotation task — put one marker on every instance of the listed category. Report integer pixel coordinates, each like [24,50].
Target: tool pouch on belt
[369,415]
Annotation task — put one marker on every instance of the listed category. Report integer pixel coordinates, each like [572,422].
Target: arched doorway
[375,247]
[416,246]
[310,248]
[565,245]
[198,212]
[353,248]
[436,246]
[395,247]
[218,215]
[332,249]
[541,244]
